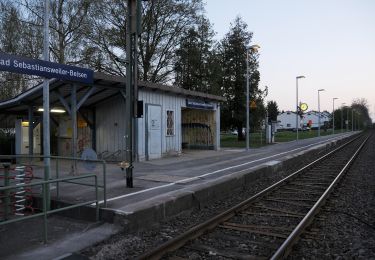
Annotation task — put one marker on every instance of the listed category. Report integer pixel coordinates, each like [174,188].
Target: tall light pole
[342,117]
[46,110]
[319,111]
[297,125]
[352,121]
[252,48]
[347,119]
[333,115]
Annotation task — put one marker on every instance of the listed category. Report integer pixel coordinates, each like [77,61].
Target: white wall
[287,120]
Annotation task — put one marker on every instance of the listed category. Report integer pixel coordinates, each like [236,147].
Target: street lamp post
[319,111]
[297,78]
[253,48]
[333,115]
[347,119]
[342,117]
[352,121]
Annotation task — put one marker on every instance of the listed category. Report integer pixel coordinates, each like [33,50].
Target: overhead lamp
[254,48]
[53,110]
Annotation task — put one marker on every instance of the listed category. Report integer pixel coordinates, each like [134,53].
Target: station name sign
[199,104]
[22,65]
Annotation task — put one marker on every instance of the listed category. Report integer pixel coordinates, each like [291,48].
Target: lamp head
[254,48]
[321,89]
[300,77]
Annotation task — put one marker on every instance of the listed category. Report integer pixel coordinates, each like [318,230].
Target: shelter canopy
[87,95]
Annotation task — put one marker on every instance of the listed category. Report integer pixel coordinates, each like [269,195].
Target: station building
[93,116]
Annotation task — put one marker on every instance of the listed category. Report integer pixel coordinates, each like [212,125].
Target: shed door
[153,131]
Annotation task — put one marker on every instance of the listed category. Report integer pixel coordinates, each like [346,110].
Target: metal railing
[104,168]
[45,212]
[30,158]
[58,180]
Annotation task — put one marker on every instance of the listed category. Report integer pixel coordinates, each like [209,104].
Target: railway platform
[168,186]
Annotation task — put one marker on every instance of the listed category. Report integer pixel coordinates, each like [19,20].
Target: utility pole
[298,119]
[46,125]
[252,48]
[352,121]
[347,119]
[319,111]
[333,115]
[131,88]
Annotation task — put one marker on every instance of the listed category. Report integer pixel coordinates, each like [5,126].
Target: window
[288,125]
[170,122]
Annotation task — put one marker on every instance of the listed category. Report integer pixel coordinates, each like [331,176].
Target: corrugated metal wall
[110,126]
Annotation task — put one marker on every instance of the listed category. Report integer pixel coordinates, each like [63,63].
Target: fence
[19,186]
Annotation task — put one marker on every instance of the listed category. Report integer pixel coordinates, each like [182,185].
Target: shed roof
[105,87]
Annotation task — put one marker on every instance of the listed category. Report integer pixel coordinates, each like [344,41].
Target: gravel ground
[129,245]
[345,228]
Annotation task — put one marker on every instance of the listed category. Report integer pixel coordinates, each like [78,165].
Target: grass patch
[258,140]
[287,136]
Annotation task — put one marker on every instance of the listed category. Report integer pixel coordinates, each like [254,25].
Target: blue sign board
[22,65]
[199,104]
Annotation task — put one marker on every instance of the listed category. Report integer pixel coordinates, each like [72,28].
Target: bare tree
[108,36]
[68,27]
[21,23]
[163,24]
[11,41]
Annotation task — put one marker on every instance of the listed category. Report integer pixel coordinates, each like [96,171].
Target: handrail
[57,158]
[45,212]
[51,157]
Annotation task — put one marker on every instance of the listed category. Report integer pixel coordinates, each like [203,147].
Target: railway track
[268,224]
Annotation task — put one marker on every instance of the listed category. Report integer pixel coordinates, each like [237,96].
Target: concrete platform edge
[162,207]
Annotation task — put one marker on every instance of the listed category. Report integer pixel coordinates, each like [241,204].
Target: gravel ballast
[345,227]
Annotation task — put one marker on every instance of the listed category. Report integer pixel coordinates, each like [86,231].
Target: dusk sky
[330,42]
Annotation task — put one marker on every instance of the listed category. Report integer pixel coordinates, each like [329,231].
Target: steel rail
[285,248]
[194,232]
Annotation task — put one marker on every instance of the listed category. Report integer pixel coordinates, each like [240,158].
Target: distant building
[287,120]
[313,118]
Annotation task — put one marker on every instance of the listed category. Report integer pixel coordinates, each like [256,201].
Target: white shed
[173,119]
[93,116]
